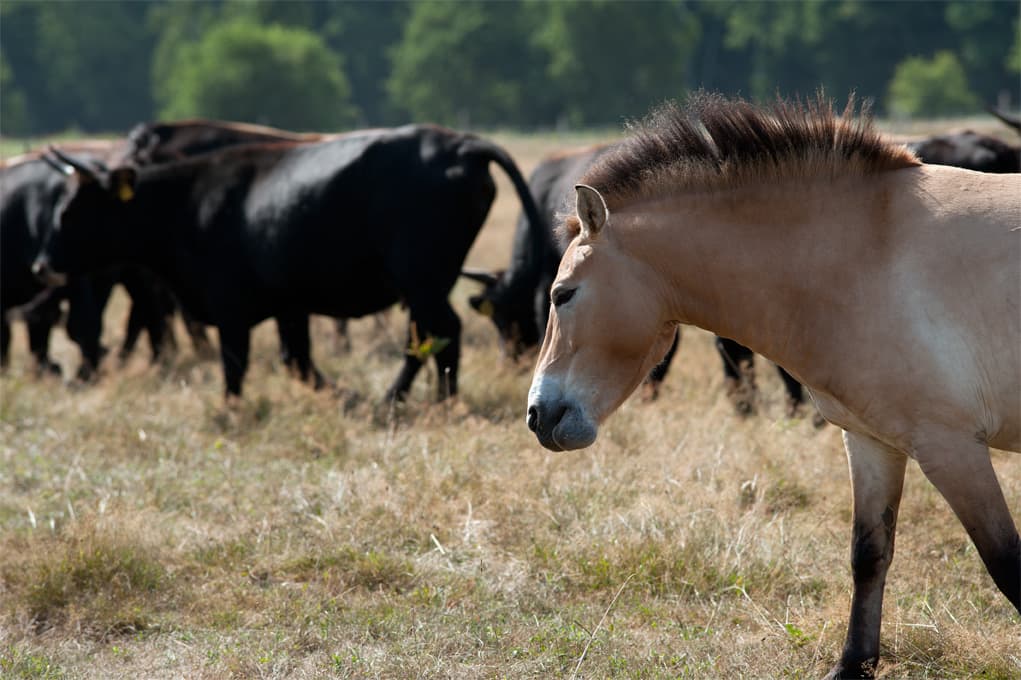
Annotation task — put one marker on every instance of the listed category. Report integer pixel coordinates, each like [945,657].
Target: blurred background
[95,67]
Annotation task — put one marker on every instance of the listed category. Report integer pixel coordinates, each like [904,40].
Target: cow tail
[541,233]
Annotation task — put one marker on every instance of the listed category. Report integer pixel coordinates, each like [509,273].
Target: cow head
[512,311]
[85,218]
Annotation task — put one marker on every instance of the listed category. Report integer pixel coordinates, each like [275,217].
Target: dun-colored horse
[889,288]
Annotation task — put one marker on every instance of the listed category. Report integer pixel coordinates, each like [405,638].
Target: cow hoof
[394,396]
[348,398]
[47,368]
[86,374]
[741,394]
[865,671]
[320,382]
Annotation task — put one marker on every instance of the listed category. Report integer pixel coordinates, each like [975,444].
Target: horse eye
[562,295]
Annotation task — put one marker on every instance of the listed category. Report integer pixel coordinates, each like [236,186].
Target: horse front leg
[877,480]
[961,469]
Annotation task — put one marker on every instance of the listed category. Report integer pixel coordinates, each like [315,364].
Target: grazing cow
[344,227]
[517,299]
[29,191]
[897,304]
[162,141]
[159,142]
[971,150]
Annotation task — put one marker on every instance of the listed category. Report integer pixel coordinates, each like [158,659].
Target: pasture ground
[146,531]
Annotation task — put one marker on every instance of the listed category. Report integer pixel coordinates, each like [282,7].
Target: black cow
[517,299]
[164,141]
[344,228]
[971,150]
[159,141]
[29,191]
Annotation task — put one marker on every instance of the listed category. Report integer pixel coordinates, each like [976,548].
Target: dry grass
[146,532]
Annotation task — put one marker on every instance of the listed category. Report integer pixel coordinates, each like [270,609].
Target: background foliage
[105,65]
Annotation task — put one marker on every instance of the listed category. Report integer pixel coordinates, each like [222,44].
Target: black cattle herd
[232,224]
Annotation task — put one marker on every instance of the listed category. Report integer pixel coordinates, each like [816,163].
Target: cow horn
[486,278]
[78,164]
[62,168]
[1012,121]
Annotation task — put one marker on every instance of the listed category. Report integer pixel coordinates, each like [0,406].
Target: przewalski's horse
[888,288]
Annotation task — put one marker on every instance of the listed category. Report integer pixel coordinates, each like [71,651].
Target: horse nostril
[533,418]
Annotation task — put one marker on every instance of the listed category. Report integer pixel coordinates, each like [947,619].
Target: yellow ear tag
[125,192]
[486,308]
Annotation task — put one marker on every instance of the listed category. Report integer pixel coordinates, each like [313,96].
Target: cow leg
[132,332]
[85,324]
[877,480]
[738,374]
[795,392]
[5,339]
[658,373]
[439,322]
[40,320]
[197,332]
[399,389]
[296,348]
[151,311]
[448,326]
[960,468]
[234,344]
[342,343]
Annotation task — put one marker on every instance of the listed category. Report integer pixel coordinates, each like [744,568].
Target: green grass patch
[18,664]
[94,580]
[350,568]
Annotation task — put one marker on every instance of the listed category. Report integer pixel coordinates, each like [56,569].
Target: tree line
[104,65]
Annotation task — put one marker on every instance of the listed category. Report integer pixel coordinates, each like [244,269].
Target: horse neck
[756,266]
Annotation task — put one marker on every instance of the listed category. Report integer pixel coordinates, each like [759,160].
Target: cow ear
[591,210]
[122,183]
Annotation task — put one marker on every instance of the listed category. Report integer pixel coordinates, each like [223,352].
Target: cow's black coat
[344,228]
[969,150]
[30,190]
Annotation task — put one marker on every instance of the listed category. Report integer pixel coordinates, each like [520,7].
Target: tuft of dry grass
[147,531]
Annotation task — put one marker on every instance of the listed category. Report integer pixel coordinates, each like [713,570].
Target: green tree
[274,75]
[931,87]
[365,34]
[462,63]
[614,60]
[13,109]
[984,33]
[83,64]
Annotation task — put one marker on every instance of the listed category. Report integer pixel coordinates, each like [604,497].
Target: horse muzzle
[559,424]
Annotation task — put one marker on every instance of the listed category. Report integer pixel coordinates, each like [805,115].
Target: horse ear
[591,210]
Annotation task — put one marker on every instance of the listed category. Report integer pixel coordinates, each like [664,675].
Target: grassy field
[146,531]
